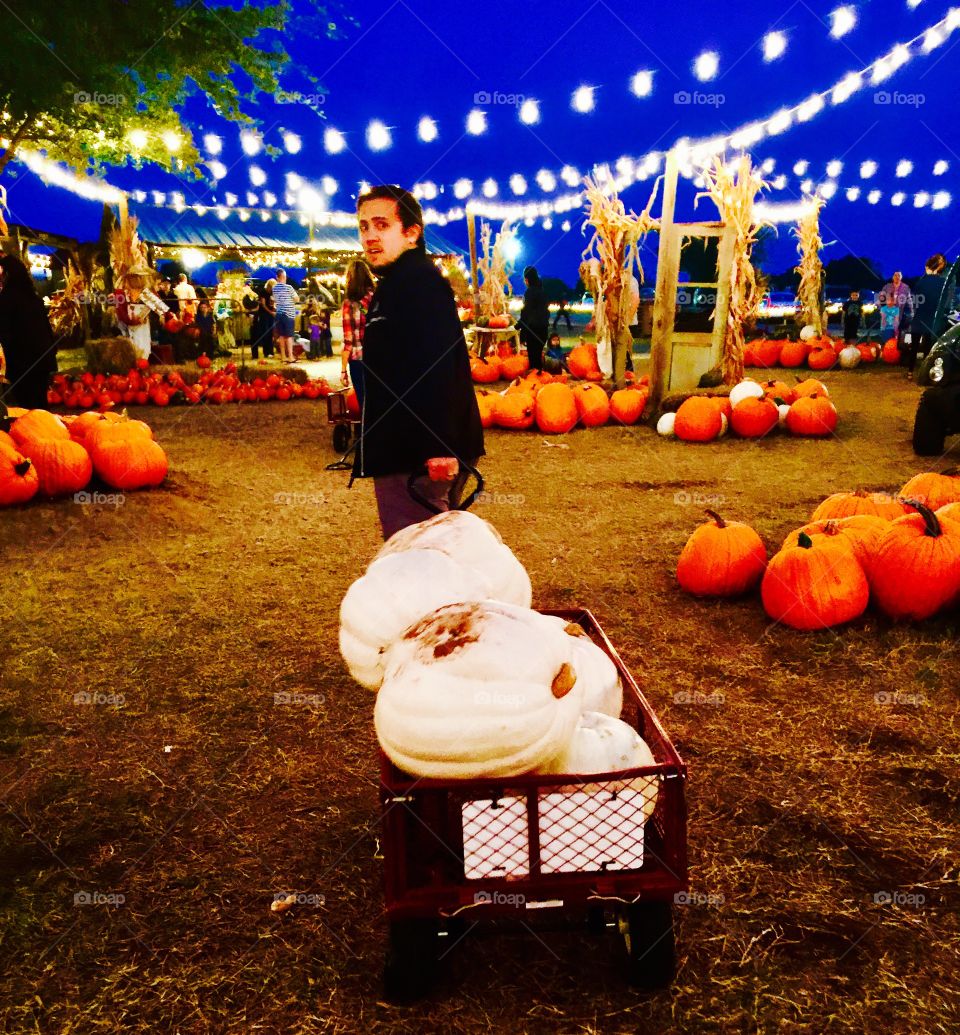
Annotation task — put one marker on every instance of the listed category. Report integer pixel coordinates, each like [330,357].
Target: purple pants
[397,508]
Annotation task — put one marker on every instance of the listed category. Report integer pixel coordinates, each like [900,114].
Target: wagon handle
[464,504]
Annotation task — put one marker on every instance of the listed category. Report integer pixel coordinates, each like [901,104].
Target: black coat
[927,293]
[418,393]
[535,315]
[27,342]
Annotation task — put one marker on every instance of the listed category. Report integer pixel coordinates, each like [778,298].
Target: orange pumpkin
[916,569]
[63,466]
[721,559]
[556,409]
[810,386]
[486,403]
[593,405]
[814,584]
[821,358]
[129,462]
[749,354]
[935,490]
[862,532]
[18,476]
[845,504]
[793,353]
[515,411]
[754,417]
[37,424]
[767,352]
[485,371]
[779,390]
[868,353]
[722,403]
[582,363]
[627,405]
[812,416]
[890,354]
[698,420]
[514,366]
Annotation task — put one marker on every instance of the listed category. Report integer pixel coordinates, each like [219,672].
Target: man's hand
[443,468]
[344,377]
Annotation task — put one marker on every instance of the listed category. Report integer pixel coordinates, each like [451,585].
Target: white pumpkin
[745,390]
[601,744]
[477,690]
[665,425]
[397,591]
[808,332]
[849,357]
[472,542]
[602,689]
[724,425]
[783,410]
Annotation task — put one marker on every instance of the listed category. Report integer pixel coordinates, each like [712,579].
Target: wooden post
[124,211]
[665,304]
[721,316]
[474,273]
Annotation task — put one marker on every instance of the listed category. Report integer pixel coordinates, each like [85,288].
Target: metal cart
[470,849]
[344,423]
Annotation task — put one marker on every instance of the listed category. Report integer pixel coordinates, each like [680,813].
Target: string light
[518,184]
[378,136]
[489,188]
[217,169]
[213,143]
[546,181]
[827,190]
[941,199]
[921,199]
[251,142]
[530,112]
[269,198]
[293,181]
[171,141]
[780,123]
[257,176]
[874,196]
[427,129]
[565,226]
[252,199]
[810,108]
[807,186]
[800,168]
[292,143]
[477,122]
[853,193]
[940,168]
[847,86]
[898,198]
[569,175]
[867,169]
[706,66]
[333,141]
[463,188]
[774,45]
[230,199]
[904,168]
[932,39]
[842,21]
[834,168]
[329,185]
[641,85]
[583,99]
[137,138]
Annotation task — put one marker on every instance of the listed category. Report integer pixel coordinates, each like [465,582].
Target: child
[889,319]
[852,311]
[555,359]
[324,334]
[207,325]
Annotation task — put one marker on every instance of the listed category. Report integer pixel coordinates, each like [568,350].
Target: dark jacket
[926,293]
[534,316]
[418,393]
[27,339]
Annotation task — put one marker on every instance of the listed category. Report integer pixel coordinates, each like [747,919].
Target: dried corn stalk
[608,267]
[810,269]
[494,270]
[128,255]
[734,191]
[66,308]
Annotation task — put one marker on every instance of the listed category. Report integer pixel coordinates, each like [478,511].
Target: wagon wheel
[410,966]
[341,437]
[647,929]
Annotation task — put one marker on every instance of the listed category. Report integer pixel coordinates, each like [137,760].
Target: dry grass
[201,601]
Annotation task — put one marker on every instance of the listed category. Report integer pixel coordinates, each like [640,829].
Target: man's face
[897,277]
[382,235]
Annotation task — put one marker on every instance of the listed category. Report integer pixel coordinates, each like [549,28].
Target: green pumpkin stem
[933,528]
[716,517]
[804,541]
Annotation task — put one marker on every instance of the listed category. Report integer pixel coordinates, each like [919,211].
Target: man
[285,299]
[187,295]
[419,402]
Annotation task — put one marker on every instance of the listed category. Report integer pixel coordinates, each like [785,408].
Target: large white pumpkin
[602,689]
[665,425]
[849,357]
[808,332]
[601,744]
[397,591]
[745,390]
[477,690]
[472,542]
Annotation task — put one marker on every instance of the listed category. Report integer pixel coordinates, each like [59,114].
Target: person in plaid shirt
[356,299]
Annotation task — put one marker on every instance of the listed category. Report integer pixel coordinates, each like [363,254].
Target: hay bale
[110,355]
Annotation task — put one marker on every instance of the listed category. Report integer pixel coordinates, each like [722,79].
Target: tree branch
[15,141]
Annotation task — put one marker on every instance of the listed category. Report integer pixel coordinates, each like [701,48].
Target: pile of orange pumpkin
[43,454]
[555,406]
[752,410]
[139,387]
[900,552]
[816,353]
[505,365]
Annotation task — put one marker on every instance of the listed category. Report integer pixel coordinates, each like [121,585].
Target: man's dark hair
[408,208]
[936,263]
[16,277]
[531,276]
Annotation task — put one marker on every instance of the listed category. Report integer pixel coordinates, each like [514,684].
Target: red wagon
[469,849]
[344,421]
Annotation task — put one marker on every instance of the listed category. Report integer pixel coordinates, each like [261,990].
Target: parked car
[938,412]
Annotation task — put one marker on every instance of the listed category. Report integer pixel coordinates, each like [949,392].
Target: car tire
[929,430]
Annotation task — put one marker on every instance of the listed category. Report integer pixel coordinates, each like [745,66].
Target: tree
[554,289]
[856,273]
[78,77]
[698,259]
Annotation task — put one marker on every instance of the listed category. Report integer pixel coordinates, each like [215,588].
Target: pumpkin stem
[22,467]
[716,517]
[932,525]
[5,421]
[804,541]
[831,528]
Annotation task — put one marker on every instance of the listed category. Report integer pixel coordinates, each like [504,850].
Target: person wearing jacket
[419,402]
[25,335]
[534,318]
[927,293]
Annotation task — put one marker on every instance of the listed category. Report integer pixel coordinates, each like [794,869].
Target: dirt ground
[179,741]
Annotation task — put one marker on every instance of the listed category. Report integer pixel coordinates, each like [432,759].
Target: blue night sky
[430,57]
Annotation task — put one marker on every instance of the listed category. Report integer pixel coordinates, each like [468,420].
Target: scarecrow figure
[134,302]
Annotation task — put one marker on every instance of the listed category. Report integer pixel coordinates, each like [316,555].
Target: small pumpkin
[486,403]
[811,386]
[916,568]
[849,357]
[129,462]
[556,409]
[745,390]
[63,466]
[754,417]
[934,489]
[514,366]
[698,420]
[38,424]
[779,390]
[862,532]
[794,354]
[845,504]
[666,425]
[812,415]
[19,481]
[514,410]
[721,559]
[627,405]
[593,405]
[582,363]
[821,358]
[868,353]
[890,353]
[485,371]
[767,352]
[814,585]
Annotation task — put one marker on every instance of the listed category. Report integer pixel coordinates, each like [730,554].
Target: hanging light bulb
[530,112]
[834,168]
[213,143]
[378,136]
[706,66]
[252,199]
[217,169]
[269,198]
[477,122]
[583,99]
[427,129]
[904,168]
[874,196]
[898,198]
[518,184]
[847,86]
[292,143]
[257,176]
[842,21]
[489,188]
[810,108]
[921,199]
[940,168]
[641,85]
[171,141]
[867,169]
[462,188]
[827,190]
[941,199]
[800,168]
[333,141]
[546,181]
[329,184]
[774,45]
[250,141]
[138,139]
[780,122]
[853,193]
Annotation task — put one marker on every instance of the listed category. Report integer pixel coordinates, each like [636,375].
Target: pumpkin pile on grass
[43,454]
[902,553]
[470,681]
[821,353]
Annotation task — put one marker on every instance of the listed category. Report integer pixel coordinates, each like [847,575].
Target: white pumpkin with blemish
[849,357]
[472,542]
[602,744]
[478,690]
[397,591]
[602,689]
